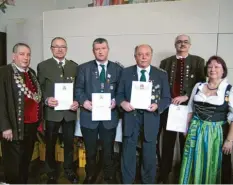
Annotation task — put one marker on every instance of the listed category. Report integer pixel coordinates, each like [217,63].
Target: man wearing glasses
[58,70]
[184,71]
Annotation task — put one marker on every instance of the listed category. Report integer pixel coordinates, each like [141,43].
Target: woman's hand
[227,146]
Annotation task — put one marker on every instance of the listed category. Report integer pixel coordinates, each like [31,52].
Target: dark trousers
[168,145]
[128,162]
[17,156]
[51,134]
[107,138]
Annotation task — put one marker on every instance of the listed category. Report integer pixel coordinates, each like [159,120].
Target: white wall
[225,40]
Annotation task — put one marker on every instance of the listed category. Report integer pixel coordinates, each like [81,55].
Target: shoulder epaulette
[118,63]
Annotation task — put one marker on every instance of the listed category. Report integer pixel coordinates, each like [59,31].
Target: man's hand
[113,104]
[179,99]
[52,102]
[153,107]
[126,106]
[87,105]
[8,135]
[74,106]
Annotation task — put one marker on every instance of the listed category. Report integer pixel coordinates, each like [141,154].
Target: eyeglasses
[59,47]
[182,42]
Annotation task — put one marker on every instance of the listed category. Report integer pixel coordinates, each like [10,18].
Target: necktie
[102,74]
[143,76]
[61,67]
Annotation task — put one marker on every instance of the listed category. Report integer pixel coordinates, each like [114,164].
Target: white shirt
[180,57]
[100,68]
[147,73]
[215,100]
[21,69]
[58,61]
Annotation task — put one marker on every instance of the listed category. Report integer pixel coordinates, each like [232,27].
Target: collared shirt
[180,57]
[214,100]
[102,63]
[147,73]
[21,69]
[58,61]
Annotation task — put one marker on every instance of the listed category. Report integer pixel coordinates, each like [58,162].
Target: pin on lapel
[157,86]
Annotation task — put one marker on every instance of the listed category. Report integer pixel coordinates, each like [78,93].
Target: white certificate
[101,106]
[177,118]
[141,94]
[63,93]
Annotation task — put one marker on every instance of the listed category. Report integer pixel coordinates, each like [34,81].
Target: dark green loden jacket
[193,72]
[49,73]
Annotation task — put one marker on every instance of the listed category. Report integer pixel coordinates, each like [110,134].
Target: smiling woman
[209,133]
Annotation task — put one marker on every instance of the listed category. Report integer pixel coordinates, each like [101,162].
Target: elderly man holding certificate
[144,94]
[57,76]
[95,91]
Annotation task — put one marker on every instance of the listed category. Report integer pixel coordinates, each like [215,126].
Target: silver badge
[102,85]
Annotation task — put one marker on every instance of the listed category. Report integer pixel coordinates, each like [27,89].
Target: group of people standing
[26,99]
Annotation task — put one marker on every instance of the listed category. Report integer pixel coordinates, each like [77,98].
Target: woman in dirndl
[207,152]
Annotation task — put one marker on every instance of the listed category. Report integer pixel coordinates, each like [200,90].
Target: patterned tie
[102,74]
[61,66]
[143,76]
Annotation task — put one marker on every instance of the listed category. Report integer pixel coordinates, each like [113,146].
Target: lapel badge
[157,86]
[111,87]
[153,97]
[108,76]
[102,85]
[192,76]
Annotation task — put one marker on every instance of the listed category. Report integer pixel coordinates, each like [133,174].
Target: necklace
[22,86]
[212,89]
